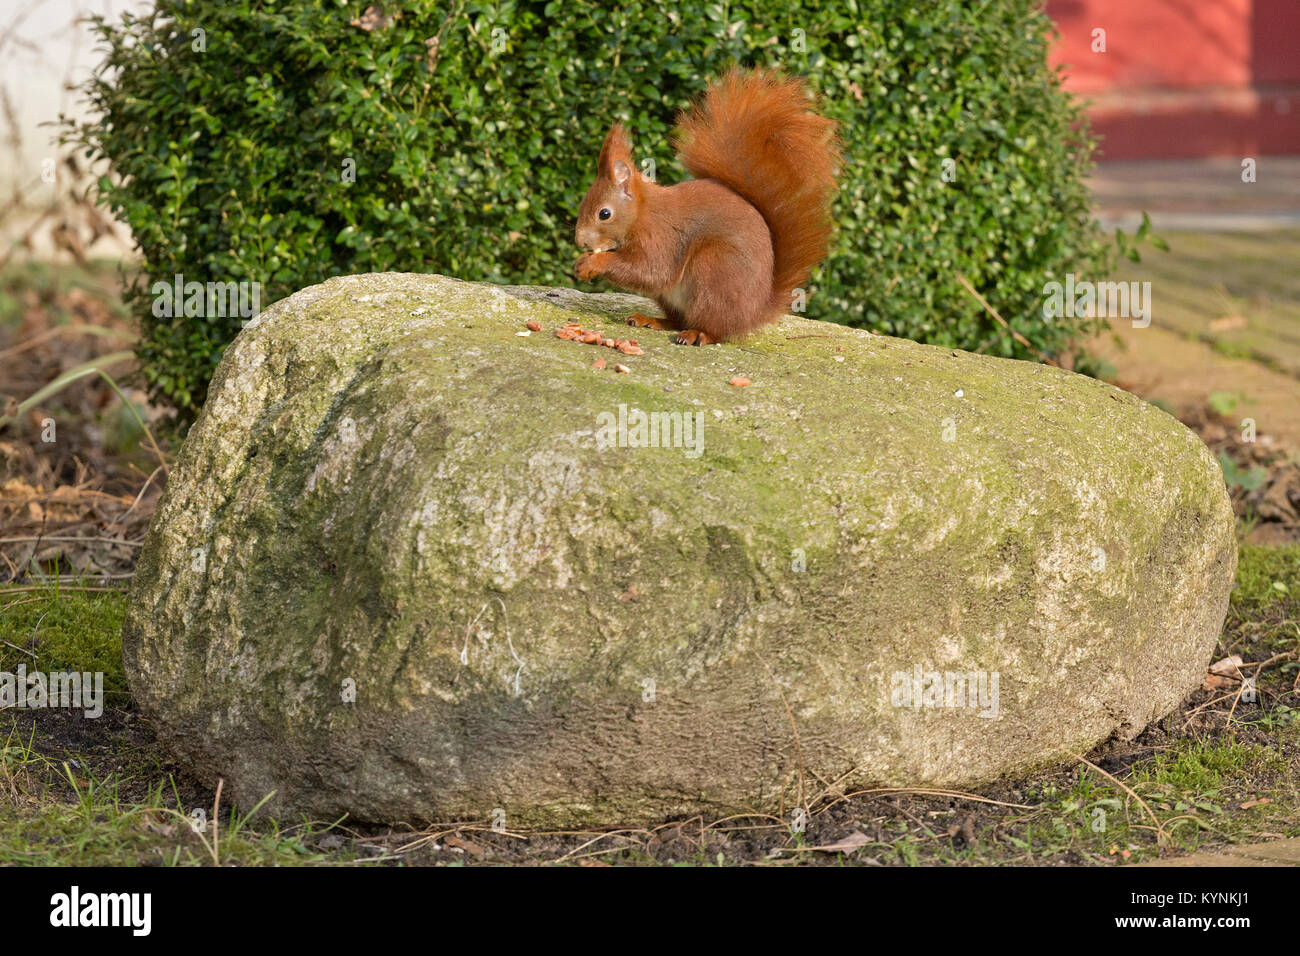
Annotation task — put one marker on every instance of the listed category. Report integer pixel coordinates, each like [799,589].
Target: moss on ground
[66,629]
[1267,576]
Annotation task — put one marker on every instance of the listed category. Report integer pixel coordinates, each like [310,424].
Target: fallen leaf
[1227,323]
[847,844]
[1219,682]
[1255,803]
[1228,665]
[469,846]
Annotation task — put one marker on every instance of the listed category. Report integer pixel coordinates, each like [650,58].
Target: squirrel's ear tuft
[620,171]
[617,147]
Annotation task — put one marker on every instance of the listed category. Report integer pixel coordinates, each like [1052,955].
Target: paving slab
[1273,853]
[1199,194]
[1284,852]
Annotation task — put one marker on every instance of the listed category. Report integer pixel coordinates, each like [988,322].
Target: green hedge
[474,130]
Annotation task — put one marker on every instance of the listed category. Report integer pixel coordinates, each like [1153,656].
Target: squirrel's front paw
[590,265]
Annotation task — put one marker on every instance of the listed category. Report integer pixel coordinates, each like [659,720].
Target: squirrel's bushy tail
[756,133]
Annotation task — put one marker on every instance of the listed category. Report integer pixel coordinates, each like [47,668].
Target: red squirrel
[722,253]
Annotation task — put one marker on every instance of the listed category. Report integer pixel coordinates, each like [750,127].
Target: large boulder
[409,568]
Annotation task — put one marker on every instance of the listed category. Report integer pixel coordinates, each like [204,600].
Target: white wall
[43,50]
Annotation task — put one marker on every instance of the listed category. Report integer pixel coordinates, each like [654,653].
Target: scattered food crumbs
[573,332]
[599,363]
[622,369]
[533,325]
[739,382]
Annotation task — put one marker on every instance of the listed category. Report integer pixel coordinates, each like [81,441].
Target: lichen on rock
[413,566]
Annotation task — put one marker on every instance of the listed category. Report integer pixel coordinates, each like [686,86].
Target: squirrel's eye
[606,213]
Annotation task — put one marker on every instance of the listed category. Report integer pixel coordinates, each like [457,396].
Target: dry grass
[79,476]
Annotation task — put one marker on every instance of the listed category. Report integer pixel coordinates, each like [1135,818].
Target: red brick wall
[1183,78]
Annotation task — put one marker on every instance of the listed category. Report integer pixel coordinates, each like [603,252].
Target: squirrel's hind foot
[645,321]
[695,337]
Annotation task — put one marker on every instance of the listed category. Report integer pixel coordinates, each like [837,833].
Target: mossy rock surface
[391,490]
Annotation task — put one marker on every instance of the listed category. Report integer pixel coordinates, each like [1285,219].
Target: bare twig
[1003,322]
[1160,830]
[55,537]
